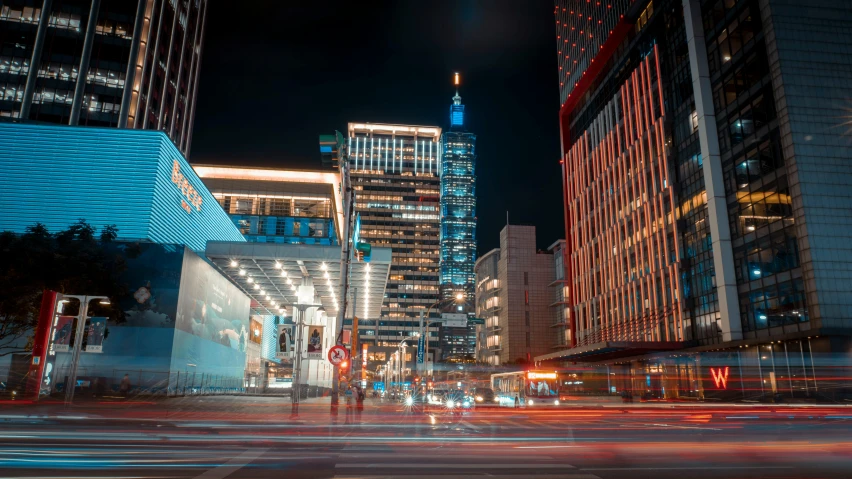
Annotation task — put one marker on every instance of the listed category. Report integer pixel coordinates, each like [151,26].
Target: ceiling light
[277,265]
[325,275]
[283,274]
[262,292]
[234,263]
[267,297]
[292,288]
[323,267]
[242,272]
[257,286]
[290,282]
[250,280]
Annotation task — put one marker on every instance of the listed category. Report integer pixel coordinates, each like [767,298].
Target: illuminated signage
[186,189]
[720,377]
[534,375]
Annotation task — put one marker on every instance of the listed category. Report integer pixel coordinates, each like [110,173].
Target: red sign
[337,354]
[720,377]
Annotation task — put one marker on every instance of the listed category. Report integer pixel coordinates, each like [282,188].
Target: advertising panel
[95,332]
[62,334]
[210,307]
[153,278]
[315,341]
[285,342]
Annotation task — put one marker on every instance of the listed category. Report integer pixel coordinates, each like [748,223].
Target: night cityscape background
[567,238]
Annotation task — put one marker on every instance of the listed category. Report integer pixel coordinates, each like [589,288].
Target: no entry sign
[337,354]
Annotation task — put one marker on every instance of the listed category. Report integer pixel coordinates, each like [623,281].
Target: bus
[526,388]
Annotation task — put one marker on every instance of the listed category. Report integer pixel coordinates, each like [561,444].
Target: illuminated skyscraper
[458,205]
[705,184]
[394,171]
[141,60]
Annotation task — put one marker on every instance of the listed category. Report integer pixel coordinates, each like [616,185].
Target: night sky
[275,77]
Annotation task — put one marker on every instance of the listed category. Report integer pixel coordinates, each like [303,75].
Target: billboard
[153,279]
[210,307]
[315,341]
[62,334]
[95,333]
[285,346]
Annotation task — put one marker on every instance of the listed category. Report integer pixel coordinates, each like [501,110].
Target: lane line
[233,465]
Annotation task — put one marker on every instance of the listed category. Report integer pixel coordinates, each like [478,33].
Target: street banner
[62,334]
[315,341]
[95,332]
[421,346]
[285,342]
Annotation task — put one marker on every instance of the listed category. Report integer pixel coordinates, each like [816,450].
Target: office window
[526,278]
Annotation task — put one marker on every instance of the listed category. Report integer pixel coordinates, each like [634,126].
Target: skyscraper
[705,170]
[141,60]
[458,205]
[394,171]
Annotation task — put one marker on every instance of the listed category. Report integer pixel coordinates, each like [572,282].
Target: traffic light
[363,251]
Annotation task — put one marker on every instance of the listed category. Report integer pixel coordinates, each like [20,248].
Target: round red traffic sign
[337,354]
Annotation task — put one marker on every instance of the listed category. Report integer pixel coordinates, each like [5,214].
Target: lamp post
[297,361]
[78,340]
[459,297]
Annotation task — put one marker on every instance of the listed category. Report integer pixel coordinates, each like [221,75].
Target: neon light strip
[415,157]
[393,156]
[371,152]
[430,157]
[386,155]
[356,152]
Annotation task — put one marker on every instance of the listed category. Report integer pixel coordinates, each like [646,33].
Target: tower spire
[456,81]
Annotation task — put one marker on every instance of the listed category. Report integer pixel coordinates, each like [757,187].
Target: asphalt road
[257,439]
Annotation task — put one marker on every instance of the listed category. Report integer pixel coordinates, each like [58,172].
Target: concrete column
[83,70]
[717,209]
[150,29]
[35,60]
[131,64]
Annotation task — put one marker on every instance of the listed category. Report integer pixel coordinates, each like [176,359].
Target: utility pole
[347,195]
[297,361]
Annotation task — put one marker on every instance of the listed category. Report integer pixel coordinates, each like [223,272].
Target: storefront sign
[720,377]
[536,375]
[187,190]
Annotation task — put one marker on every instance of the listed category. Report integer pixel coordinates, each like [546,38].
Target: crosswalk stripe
[358,465]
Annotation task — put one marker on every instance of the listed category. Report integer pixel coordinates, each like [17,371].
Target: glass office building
[458,207]
[271,205]
[705,168]
[395,174]
[141,60]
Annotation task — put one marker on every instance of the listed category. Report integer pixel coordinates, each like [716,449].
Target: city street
[217,437]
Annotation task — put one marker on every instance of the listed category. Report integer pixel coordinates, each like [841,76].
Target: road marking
[680,468]
[447,476]
[542,447]
[492,465]
[233,465]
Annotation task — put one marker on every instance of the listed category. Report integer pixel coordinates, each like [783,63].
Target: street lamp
[297,363]
[458,298]
[78,339]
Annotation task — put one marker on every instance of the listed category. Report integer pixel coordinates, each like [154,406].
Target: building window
[527,318]
[526,297]
[528,339]
[526,278]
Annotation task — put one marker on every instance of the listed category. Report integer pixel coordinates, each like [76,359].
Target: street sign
[337,354]
[420,350]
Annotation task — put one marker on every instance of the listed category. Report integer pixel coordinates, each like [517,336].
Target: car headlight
[479,398]
[556,402]
[530,402]
[450,403]
[496,399]
[466,404]
[409,401]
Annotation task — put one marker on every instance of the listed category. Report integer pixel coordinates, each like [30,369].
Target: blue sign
[420,350]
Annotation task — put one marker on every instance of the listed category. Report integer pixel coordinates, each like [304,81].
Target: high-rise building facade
[141,61]
[395,173]
[704,164]
[513,297]
[458,205]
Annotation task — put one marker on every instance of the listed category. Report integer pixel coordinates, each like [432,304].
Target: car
[484,396]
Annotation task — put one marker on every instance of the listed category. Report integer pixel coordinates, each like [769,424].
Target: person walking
[124,387]
[349,398]
[359,403]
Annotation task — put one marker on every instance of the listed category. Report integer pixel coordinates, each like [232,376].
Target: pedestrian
[359,403]
[124,387]
[349,399]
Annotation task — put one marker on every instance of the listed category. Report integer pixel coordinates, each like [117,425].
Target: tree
[73,261]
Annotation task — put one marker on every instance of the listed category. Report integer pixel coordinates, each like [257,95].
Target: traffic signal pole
[347,194]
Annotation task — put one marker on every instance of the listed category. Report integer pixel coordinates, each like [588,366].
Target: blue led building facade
[458,206]
[134,179]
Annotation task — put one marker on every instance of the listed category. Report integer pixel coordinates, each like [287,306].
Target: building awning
[270,273]
[606,350]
